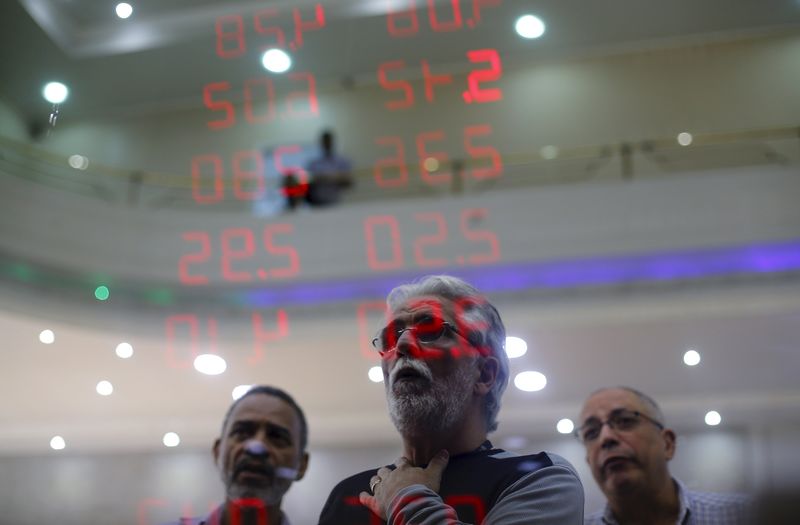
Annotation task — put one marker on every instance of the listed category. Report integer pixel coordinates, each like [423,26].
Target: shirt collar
[214,517]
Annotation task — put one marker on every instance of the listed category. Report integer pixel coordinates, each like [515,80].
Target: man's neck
[648,507]
[421,448]
[251,515]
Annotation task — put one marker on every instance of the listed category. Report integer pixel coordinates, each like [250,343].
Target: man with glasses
[628,448]
[445,370]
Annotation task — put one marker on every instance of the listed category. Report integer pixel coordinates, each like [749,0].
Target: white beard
[436,407]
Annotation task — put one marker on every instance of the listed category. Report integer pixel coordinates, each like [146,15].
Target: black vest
[471,484]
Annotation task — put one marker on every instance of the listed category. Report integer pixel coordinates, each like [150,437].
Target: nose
[257,445]
[608,436]
[406,345]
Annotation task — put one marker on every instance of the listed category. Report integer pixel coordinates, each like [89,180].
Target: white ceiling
[746,331]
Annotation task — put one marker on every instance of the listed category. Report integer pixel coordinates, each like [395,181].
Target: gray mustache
[404,363]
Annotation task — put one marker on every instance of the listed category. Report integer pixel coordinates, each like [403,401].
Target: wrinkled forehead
[424,305]
[601,404]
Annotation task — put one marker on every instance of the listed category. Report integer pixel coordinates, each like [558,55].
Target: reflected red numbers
[383,241]
[370,314]
[268,24]
[392,171]
[189,335]
[391,78]
[238,254]
[443,17]
[247,167]
[260,101]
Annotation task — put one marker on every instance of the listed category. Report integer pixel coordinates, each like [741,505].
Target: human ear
[488,368]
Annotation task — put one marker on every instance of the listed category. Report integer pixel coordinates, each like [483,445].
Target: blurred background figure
[329,175]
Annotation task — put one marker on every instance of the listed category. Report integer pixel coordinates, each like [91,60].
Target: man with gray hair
[445,370]
[628,448]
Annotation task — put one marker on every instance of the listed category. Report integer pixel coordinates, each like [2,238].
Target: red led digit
[409,25]
[390,222]
[172,322]
[221,105]
[197,176]
[142,509]
[430,240]
[236,35]
[288,251]
[244,177]
[310,95]
[238,504]
[366,329]
[353,501]
[470,215]
[483,152]
[396,85]
[433,80]
[301,25]
[452,25]
[398,162]
[476,7]
[194,257]
[468,324]
[230,254]
[262,336]
[490,74]
[276,32]
[266,87]
[424,155]
[477,504]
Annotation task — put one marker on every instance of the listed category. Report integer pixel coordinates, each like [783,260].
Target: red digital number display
[248,179]
[260,93]
[392,171]
[477,91]
[237,245]
[443,18]
[188,334]
[231,37]
[384,247]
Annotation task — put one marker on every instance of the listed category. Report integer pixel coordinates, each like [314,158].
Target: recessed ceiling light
[375,374]
[47,337]
[530,381]
[124,10]
[55,92]
[104,388]
[210,364]
[101,293]
[549,152]
[515,347]
[276,61]
[58,443]
[124,350]
[565,426]
[171,439]
[239,391]
[691,357]
[431,164]
[529,26]
[713,418]
[79,162]
[684,139]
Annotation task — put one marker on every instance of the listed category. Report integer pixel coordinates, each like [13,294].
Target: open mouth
[253,470]
[408,374]
[616,463]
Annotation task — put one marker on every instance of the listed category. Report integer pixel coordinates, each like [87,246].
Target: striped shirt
[696,508]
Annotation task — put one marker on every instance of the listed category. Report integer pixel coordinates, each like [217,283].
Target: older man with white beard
[445,370]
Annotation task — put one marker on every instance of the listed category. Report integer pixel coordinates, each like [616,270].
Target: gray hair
[481,311]
[648,401]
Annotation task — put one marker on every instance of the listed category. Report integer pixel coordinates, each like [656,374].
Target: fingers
[370,502]
[438,463]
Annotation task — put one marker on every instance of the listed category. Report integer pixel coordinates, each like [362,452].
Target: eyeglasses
[622,420]
[426,332]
